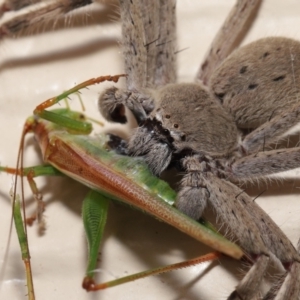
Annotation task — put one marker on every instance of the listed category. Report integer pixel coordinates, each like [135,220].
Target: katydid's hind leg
[40,205]
[224,42]
[37,14]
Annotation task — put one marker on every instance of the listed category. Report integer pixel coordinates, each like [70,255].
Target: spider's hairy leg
[113,101]
[256,232]
[148,30]
[15,5]
[288,284]
[263,164]
[37,14]
[225,40]
[272,130]
[222,197]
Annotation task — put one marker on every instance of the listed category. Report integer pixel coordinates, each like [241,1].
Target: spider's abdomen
[259,80]
[195,120]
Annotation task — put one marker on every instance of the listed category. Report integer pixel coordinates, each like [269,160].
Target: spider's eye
[168,116]
[176,125]
[166,131]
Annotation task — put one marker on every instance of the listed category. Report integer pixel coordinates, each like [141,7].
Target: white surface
[46,63]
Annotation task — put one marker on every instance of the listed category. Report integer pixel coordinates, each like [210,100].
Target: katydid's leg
[67,119]
[23,241]
[94,214]
[160,270]
[30,173]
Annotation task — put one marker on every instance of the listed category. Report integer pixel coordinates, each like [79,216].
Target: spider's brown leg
[287,287]
[274,239]
[255,230]
[39,14]
[230,212]
[265,163]
[12,5]
[148,30]
[272,130]
[225,39]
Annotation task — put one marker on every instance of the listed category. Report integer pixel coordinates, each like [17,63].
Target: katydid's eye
[168,116]
[176,125]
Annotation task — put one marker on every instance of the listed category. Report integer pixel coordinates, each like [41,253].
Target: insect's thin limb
[78,126]
[38,14]
[35,171]
[160,270]
[30,173]
[22,237]
[94,215]
[48,103]
[225,39]
[16,216]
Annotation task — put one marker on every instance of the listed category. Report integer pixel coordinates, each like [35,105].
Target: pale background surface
[40,66]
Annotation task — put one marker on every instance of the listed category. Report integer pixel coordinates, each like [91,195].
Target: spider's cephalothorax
[183,121]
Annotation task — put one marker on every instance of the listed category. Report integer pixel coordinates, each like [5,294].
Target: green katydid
[121,178]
